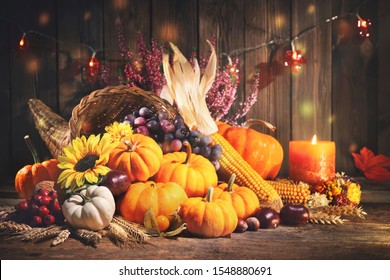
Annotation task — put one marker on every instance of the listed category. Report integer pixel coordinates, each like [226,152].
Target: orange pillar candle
[313,161]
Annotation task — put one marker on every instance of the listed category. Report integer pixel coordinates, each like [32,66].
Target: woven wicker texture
[94,112]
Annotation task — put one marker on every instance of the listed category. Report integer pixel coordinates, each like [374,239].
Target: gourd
[137,155]
[92,208]
[160,198]
[30,175]
[207,217]
[193,172]
[262,151]
[244,200]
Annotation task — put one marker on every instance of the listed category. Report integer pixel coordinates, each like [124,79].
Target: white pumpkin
[93,209]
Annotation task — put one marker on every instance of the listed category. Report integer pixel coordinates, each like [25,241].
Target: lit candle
[313,161]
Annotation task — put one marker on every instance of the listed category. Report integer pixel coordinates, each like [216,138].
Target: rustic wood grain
[356,239]
[5,96]
[177,22]
[225,20]
[273,103]
[311,87]
[383,56]
[353,95]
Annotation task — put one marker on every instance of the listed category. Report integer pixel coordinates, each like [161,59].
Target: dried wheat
[61,237]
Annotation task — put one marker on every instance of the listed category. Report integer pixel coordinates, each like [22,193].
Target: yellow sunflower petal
[79,179]
[91,177]
[102,170]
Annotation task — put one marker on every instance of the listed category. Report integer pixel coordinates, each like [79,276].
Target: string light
[21,42]
[293,58]
[363,27]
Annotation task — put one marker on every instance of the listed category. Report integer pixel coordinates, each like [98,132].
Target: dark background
[341,94]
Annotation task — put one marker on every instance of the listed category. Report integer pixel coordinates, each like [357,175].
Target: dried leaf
[150,223]
[175,232]
[374,167]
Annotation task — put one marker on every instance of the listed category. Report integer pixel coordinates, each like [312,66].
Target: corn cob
[232,162]
[290,192]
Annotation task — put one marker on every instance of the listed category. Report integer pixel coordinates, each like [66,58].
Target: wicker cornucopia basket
[94,112]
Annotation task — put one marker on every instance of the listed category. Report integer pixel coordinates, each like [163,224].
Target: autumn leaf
[374,167]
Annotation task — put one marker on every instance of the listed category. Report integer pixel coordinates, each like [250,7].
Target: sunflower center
[86,163]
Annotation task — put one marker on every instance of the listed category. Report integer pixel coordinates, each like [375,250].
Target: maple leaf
[374,167]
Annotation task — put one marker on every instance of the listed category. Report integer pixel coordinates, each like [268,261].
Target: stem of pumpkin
[231,182]
[209,196]
[77,192]
[32,149]
[252,122]
[189,151]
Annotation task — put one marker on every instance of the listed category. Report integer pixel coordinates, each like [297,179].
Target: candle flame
[314,139]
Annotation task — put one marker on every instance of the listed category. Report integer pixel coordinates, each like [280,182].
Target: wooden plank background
[341,94]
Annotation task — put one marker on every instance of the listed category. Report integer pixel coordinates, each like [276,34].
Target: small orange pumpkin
[262,151]
[207,217]
[193,172]
[137,155]
[243,199]
[161,198]
[30,175]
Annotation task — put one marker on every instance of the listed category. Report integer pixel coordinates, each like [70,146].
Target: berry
[153,126]
[48,220]
[205,151]
[55,205]
[36,221]
[145,112]
[43,192]
[140,121]
[53,194]
[176,145]
[163,222]
[22,206]
[37,198]
[181,133]
[34,208]
[163,115]
[45,200]
[142,130]
[43,211]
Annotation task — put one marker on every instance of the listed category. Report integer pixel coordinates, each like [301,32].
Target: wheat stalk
[61,237]
[133,230]
[41,233]
[88,236]
[13,226]
[324,218]
[119,235]
[342,211]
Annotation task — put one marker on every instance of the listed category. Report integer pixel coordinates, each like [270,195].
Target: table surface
[355,239]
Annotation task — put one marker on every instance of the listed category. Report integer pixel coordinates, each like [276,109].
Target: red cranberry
[48,220]
[43,192]
[34,208]
[22,206]
[45,200]
[55,205]
[36,221]
[53,194]
[37,198]
[43,211]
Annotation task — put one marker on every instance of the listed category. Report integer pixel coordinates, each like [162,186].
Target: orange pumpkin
[193,172]
[30,175]
[263,152]
[161,198]
[137,155]
[243,199]
[207,217]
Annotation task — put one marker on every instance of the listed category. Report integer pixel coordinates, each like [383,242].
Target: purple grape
[179,122]
[194,138]
[205,140]
[145,112]
[130,119]
[216,164]
[196,150]
[205,151]
[216,152]
[142,130]
[140,121]
[176,145]
[166,147]
[168,137]
[153,126]
[163,115]
[167,126]
[181,133]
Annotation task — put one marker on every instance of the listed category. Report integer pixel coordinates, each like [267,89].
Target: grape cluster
[43,209]
[171,134]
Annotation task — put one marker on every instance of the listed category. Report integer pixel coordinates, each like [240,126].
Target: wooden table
[356,239]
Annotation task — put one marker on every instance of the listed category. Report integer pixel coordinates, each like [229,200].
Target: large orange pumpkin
[193,172]
[262,151]
[207,217]
[137,155]
[243,199]
[161,198]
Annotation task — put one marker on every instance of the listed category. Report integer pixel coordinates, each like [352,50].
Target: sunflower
[84,161]
[119,130]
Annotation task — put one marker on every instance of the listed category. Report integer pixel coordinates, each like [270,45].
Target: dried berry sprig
[325,219]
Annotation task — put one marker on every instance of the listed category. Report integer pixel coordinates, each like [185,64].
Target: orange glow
[21,42]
